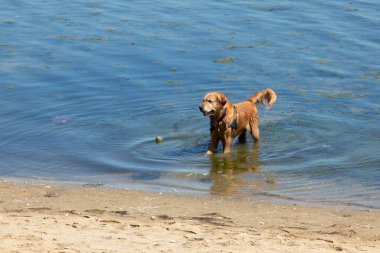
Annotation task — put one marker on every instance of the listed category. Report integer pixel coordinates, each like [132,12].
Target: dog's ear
[222,99]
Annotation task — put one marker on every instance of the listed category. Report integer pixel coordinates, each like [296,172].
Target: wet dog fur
[228,121]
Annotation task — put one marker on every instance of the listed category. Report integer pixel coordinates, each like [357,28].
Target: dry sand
[44,217]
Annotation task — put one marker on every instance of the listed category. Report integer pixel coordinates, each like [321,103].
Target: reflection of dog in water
[228,121]
[227,170]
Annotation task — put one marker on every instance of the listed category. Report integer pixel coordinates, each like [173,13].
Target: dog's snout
[201,108]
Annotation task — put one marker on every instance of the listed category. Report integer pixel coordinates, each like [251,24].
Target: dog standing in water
[228,121]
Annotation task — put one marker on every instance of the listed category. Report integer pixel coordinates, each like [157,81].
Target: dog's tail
[265,97]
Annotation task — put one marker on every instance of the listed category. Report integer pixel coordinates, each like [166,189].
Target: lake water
[87,85]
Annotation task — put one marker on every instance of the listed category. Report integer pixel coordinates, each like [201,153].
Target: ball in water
[159,139]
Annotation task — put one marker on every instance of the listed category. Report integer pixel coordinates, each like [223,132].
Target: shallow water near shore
[86,87]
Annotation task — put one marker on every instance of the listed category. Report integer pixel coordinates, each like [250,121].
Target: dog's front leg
[213,144]
[227,141]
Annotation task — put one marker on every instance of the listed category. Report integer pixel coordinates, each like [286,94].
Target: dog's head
[212,103]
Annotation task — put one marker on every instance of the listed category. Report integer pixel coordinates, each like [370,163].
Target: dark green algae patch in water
[87,86]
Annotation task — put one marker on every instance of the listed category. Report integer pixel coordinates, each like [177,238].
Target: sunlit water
[87,85]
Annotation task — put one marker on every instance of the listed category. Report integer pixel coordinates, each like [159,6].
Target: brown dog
[227,121]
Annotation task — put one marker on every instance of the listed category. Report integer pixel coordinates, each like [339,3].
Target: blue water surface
[87,85]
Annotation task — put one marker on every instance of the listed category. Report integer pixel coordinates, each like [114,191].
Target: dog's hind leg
[242,138]
[254,129]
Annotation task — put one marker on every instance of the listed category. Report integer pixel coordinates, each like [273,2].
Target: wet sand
[45,217]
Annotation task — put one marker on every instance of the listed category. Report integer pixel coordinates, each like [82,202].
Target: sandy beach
[46,217]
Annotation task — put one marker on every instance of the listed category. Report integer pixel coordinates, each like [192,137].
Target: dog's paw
[209,152]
